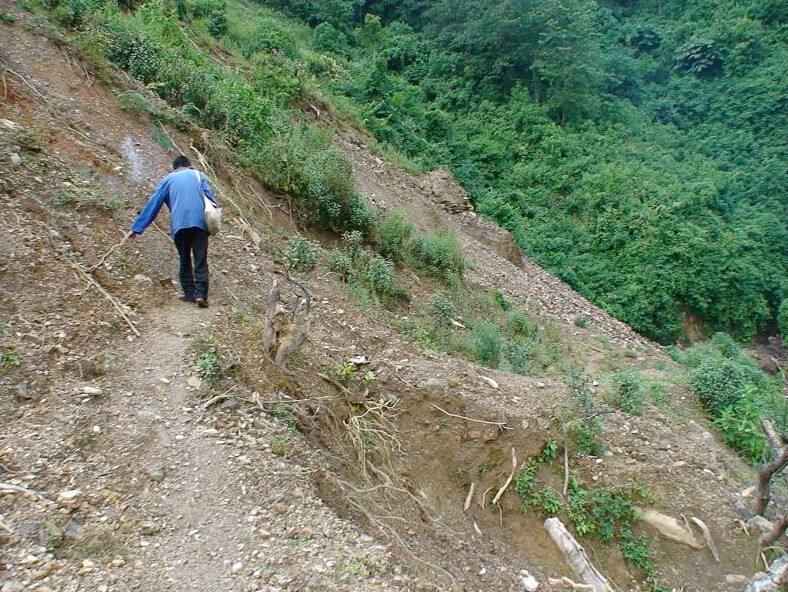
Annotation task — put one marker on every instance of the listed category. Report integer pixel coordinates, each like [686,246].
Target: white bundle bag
[213,213]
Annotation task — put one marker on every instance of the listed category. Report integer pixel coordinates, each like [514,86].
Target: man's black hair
[181,162]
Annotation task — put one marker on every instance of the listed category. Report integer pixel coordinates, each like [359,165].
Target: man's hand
[129,235]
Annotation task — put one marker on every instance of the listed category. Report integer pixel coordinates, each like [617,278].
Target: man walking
[182,191]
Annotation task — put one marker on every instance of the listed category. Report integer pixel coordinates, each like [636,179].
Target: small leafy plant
[302,254]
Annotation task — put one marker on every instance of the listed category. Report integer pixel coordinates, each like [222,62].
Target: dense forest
[637,149]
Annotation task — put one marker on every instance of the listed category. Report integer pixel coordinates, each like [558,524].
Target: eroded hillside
[150,445]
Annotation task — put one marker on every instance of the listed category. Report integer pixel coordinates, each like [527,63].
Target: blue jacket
[183,196]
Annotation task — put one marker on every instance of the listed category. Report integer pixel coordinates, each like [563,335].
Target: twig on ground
[5,469]
[707,536]
[90,279]
[508,481]
[469,497]
[156,226]
[484,496]
[218,398]
[9,488]
[93,268]
[33,88]
[501,425]
[567,583]
[335,383]
[389,531]
[566,467]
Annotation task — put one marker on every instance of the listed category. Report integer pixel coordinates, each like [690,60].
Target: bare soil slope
[282,484]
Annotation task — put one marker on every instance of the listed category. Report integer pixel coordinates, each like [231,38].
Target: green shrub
[518,322]
[518,357]
[379,276]
[442,308]
[7,18]
[340,263]
[10,357]
[718,382]
[487,344]
[393,236]
[326,37]
[439,254]
[301,254]
[266,35]
[213,12]
[740,424]
[208,364]
[353,241]
[501,300]
[630,392]
[734,393]
[782,320]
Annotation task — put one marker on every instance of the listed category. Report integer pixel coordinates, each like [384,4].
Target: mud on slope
[69,337]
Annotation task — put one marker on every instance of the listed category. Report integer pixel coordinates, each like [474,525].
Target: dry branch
[508,481]
[779,530]
[469,497]
[218,398]
[9,488]
[389,531]
[768,470]
[576,556]
[269,333]
[567,583]
[707,537]
[499,424]
[91,280]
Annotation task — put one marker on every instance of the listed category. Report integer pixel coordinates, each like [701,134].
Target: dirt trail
[198,500]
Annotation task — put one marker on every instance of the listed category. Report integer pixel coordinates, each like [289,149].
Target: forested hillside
[635,148]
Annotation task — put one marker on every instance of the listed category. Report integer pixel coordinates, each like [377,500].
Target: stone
[194,382]
[736,579]
[157,474]
[530,583]
[148,528]
[12,586]
[70,498]
[489,381]
[237,567]
[143,278]
[90,390]
[22,392]
[15,159]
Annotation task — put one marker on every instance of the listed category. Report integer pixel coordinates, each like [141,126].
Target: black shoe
[187,299]
[201,302]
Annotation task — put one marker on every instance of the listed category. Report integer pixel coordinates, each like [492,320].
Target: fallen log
[669,527]
[576,556]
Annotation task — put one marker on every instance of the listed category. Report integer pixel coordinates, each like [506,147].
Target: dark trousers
[192,244]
